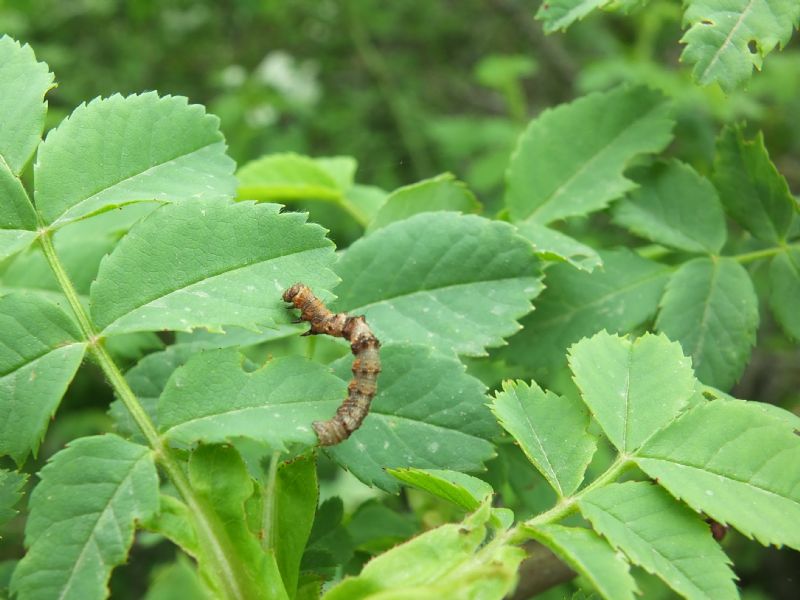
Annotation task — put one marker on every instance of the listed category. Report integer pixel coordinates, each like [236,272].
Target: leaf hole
[752,45]
[707,22]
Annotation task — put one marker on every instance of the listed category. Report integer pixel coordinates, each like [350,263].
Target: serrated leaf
[295,496]
[82,517]
[784,296]
[92,161]
[554,245]
[752,189]
[560,14]
[550,429]
[40,352]
[727,38]
[220,480]
[462,490]
[23,85]
[11,485]
[17,219]
[209,264]
[456,283]
[445,562]
[291,177]
[589,555]
[675,206]
[662,536]
[737,462]
[633,388]
[176,523]
[711,308]
[375,527]
[428,413]
[443,192]
[212,399]
[570,159]
[620,296]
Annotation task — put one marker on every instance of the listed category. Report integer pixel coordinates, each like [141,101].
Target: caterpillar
[366,365]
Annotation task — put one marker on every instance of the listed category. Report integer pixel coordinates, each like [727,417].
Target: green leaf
[446,562]
[711,308]
[39,355]
[753,191]
[727,38]
[291,177]
[456,283]
[570,159]
[550,429]
[784,297]
[17,219]
[294,500]
[175,522]
[428,413]
[82,517]
[633,388]
[662,536]
[118,150]
[375,527]
[23,85]
[735,461]
[554,245]
[589,555]
[212,399]
[619,297]
[677,207]
[177,581]
[11,487]
[147,380]
[560,14]
[329,544]
[462,490]
[209,264]
[220,480]
[443,192]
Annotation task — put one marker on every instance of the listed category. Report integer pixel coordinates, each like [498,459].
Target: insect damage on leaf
[366,366]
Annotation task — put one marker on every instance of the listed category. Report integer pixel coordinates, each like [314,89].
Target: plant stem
[269,501]
[748,257]
[222,564]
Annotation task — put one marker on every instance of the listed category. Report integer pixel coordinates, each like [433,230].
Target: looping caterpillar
[366,365]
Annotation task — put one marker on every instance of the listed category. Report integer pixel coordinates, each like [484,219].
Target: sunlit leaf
[462,490]
[784,296]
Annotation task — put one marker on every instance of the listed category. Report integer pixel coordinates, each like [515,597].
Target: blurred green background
[410,89]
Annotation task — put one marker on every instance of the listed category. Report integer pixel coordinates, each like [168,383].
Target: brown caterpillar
[366,365]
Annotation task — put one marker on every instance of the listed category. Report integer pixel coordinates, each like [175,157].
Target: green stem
[269,502]
[748,257]
[223,565]
[569,505]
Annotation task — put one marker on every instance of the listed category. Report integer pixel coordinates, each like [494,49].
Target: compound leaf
[753,191]
[82,517]
[23,85]
[570,160]
[662,536]
[675,206]
[737,462]
[550,429]
[711,308]
[589,555]
[727,38]
[428,413]
[212,399]
[560,14]
[784,276]
[456,283]
[208,264]
[11,485]
[40,352]
[443,192]
[620,296]
[120,150]
[633,388]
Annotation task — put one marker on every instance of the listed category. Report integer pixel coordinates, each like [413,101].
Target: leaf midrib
[591,160]
[715,58]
